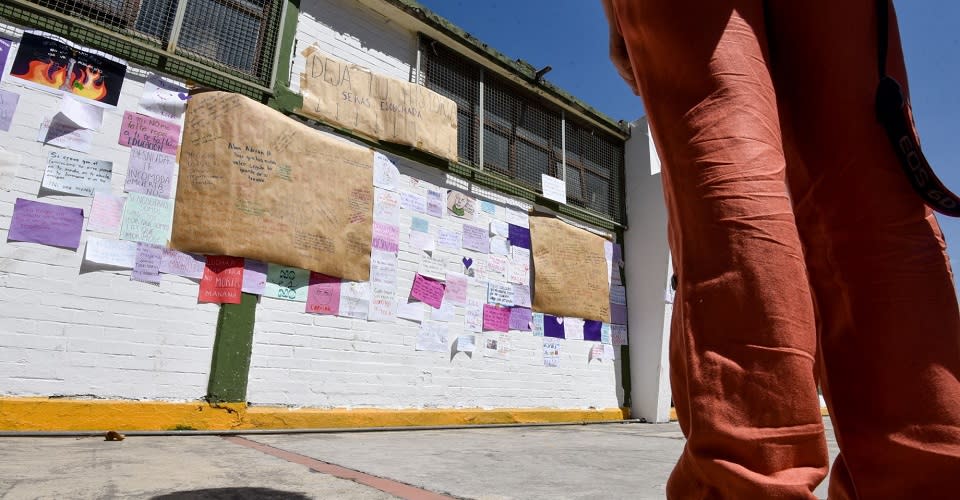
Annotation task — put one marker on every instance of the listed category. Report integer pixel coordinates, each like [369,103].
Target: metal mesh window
[594,166]
[237,35]
[446,73]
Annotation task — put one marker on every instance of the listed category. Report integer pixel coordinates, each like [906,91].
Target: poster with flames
[51,63]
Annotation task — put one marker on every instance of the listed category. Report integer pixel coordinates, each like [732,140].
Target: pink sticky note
[428,291]
[149,133]
[105,213]
[496,318]
[323,294]
[386,237]
[456,291]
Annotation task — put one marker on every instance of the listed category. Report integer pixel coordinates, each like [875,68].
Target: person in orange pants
[802,253]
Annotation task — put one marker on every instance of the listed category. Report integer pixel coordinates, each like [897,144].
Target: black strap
[895,114]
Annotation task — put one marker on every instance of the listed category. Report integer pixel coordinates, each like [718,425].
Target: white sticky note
[553,188]
[82,114]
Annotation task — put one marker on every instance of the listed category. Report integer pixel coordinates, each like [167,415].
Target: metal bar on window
[177,24]
[417,74]
[563,145]
[276,50]
[482,126]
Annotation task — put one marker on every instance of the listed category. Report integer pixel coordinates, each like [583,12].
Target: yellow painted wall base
[42,414]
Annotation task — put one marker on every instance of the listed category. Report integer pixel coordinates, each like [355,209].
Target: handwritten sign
[105,212]
[573,328]
[116,253]
[162,99]
[536,323]
[432,337]
[606,336]
[521,295]
[435,203]
[551,352]
[146,265]
[354,299]
[499,228]
[47,224]
[389,109]
[146,219]
[386,207]
[488,207]
[570,276]
[222,280]
[497,268]
[383,304]
[499,246]
[553,188]
[432,267]
[428,291]
[74,173]
[8,106]
[183,264]
[386,237]
[456,290]
[499,293]
[461,205]
[618,314]
[466,343]
[385,172]
[476,239]
[473,316]
[60,132]
[323,294]
[287,283]
[254,276]
[448,239]
[423,242]
[412,311]
[618,295]
[518,218]
[149,133]
[150,172]
[413,201]
[496,318]
[520,318]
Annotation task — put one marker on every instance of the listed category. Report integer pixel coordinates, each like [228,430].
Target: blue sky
[571,36]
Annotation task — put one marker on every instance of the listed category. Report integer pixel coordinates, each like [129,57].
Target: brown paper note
[384,108]
[569,270]
[254,183]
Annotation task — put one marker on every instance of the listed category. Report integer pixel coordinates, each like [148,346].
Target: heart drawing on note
[467,262]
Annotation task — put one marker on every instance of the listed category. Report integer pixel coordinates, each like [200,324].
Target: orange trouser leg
[744,338]
[890,329]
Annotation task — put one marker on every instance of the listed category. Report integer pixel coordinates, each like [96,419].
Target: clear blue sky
[571,36]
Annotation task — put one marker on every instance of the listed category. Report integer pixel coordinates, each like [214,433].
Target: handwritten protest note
[146,265]
[573,328]
[383,303]
[413,201]
[473,316]
[354,299]
[553,188]
[606,336]
[496,318]
[499,228]
[520,319]
[106,212]
[60,132]
[323,294]
[284,193]
[385,172]
[150,172]
[8,107]
[432,336]
[162,99]
[518,218]
[412,311]
[146,219]
[149,133]
[618,335]
[499,246]
[423,242]
[47,224]
[433,267]
[183,264]
[521,295]
[74,173]
[428,291]
[116,253]
[254,276]
[497,268]
[386,237]
[536,323]
[476,238]
[448,239]
[385,108]
[519,265]
[222,280]
[551,352]
[287,283]
[571,271]
[456,289]
[466,343]
[499,293]
[435,203]
[386,207]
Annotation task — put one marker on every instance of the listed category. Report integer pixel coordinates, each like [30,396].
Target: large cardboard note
[384,108]
[569,270]
[254,183]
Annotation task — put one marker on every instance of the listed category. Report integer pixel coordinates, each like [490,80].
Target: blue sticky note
[421,225]
[488,207]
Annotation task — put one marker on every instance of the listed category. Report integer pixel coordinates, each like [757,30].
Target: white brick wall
[72,330]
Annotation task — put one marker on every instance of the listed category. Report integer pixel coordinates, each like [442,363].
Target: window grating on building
[239,36]
[522,135]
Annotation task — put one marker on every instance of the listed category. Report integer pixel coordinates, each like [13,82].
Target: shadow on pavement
[232,494]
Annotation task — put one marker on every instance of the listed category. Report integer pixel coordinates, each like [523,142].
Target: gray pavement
[593,461]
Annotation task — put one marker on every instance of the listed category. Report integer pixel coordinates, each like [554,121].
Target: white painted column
[648,269]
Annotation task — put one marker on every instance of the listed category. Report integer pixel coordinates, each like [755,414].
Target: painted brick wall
[72,330]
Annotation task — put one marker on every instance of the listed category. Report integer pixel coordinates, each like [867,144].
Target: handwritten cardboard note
[570,276]
[354,299]
[385,172]
[45,223]
[496,318]
[116,253]
[60,132]
[323,294]
[445,313]
[456,289]
[69,172]
[476,239]
[473,316]
[519,236]
[386,237]
[287,283]
[618,314]
[254,276]
[497,268]
[149,133]
[488,207]
[433,267]
[553,188]
[146,264]
[383,270]
[222,280]
[606,335]
[520,318]
[146,219]
[448,239]
[150,172]
[499,293]
[536,323]
[106,212]
[183,264]
[551,352]
[432,336]
[386,207]
[8,107]
[461,205]
[428,291]
[162,99]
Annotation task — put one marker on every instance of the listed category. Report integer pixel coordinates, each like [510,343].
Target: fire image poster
[46,62]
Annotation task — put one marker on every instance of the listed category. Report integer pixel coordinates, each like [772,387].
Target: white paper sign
[385,173]
[449,240]
[163,99]
[473,316]
[466,343]
[553,188]
[117,253]
[432,337]
[435,268]
[74,173]
[82,114]
[412,311]
[354,299]
[423,242]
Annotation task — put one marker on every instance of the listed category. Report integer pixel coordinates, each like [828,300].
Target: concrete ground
[593,461]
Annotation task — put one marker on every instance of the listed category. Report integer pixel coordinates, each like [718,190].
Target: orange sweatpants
[802,253]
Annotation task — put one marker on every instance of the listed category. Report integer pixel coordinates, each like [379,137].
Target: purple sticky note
[592,330]
[254,276]
[47,224]
[146,267]
[4,50]
[476,238]
[617,253]
[618,314]
[519,236]
[520,319]
[553,327]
